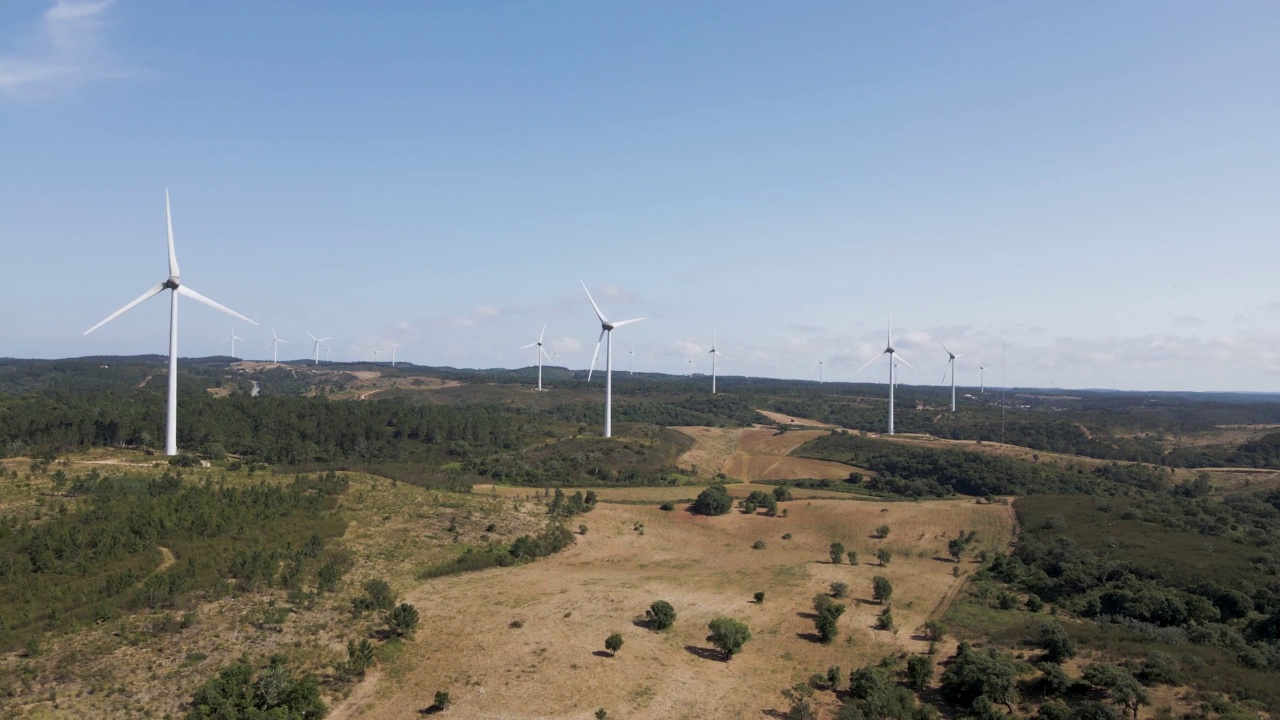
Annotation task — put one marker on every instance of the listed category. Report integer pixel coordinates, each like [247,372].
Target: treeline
[1172,568]
[90,561]
[937,472]
[638,455]
[278,430]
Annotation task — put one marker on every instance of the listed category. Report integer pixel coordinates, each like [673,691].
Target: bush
[786,536]
[715,500]
[667,506]
[934,631]
[240,691]
[613,643]
[882,531]
[839,589]
[885,620]
[442,701]
[884,556]
[759,598]
[853,557]
[377,596]
[919,672]
[728,635]
[827,622]
[757,545]
[1057,645]
[660,615]
[402,620]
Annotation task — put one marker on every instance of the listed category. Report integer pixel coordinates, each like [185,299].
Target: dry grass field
[755,454]
[527,642]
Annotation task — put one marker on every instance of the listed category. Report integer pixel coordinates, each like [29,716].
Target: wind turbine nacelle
[172,283]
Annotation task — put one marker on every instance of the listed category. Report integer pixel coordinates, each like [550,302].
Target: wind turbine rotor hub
[172,283]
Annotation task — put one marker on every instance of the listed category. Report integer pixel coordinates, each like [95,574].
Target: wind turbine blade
[864,367]
[141,299]
[963,354]
[944,347]
[726,357]
[593,303]
[596,355]
[526,347]
[703,357]
[286,342]
[541,334]
[544,352]
[890,334]
[168,217]
[324,339]
[313,337]
[188,292]
[626,322]
[904,361]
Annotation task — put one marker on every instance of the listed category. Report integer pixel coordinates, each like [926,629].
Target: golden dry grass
[553,665]
[711,448]
[762,454]
[792,420]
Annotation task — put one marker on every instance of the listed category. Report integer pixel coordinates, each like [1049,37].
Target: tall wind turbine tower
[315,345]
[888,350]
[327,353]
[819,365]
[275,345]
[393,352]
[982,379]
[951,360]
[691,368]
[233,338]
[539,353]
[712,353]
[606,335]
[375,356]
[631,360]
[176,288]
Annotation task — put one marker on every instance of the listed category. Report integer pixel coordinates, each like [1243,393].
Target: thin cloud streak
[67,47]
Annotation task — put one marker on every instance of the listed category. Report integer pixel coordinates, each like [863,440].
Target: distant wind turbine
[982,379]
[539,353]
[606,336]
[690,368]
[393,352]
[375,356]
[712,353]
[819,365]
[888,350]
[951,360]
[315,346]
[275,345]
[233,338]
[173,284]
[327,353]
[631,358]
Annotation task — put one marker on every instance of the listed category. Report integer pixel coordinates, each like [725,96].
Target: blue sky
[1094,184]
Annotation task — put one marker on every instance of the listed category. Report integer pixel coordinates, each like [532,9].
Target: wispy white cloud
[66,46]
[1188,320]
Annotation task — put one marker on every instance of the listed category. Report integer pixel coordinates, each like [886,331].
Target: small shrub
[759,598]
[613,643]
[882,531]
[442,701]
[402,620]
[853,557]
[839,589]
[786,536]
[667,506]
[885,620]
[837,553]
[757,545]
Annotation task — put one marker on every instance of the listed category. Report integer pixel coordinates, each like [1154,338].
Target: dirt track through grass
[527,642]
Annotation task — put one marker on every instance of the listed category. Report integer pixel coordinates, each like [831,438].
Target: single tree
[884,556]
[660,615]
[839,589]
[759,598]
[881,589]
[919,672]
[715,500]
[837,553]
[728,635]
[934,631]
[955,548]
[884,621]
[442,701]
[613,643]
[1058,646]
[882,531]
[1121,686]
[853,557]
[827,622]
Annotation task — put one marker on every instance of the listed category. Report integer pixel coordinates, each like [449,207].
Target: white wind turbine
[233,338]
[888,350]
[606,335]
[982,379]
[315,345]
[690,368]
[539,353]
[375,356]
[275,345]
[173,284]
[951,360]
[393,352]
[820,364]
[631,359]
[327,353]
[712,353]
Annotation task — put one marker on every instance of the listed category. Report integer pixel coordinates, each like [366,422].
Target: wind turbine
[631,359]
[327,353]
[951,360]
[819,365]
[606,335]
[233,338]
[173,284]
[393,352]
[315,346]
[275,345]
[539,352]
[375,356]
[691,368]
[888,350]
[713,353]
[982,379]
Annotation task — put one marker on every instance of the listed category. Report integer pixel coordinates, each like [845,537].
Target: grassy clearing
[528,641]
